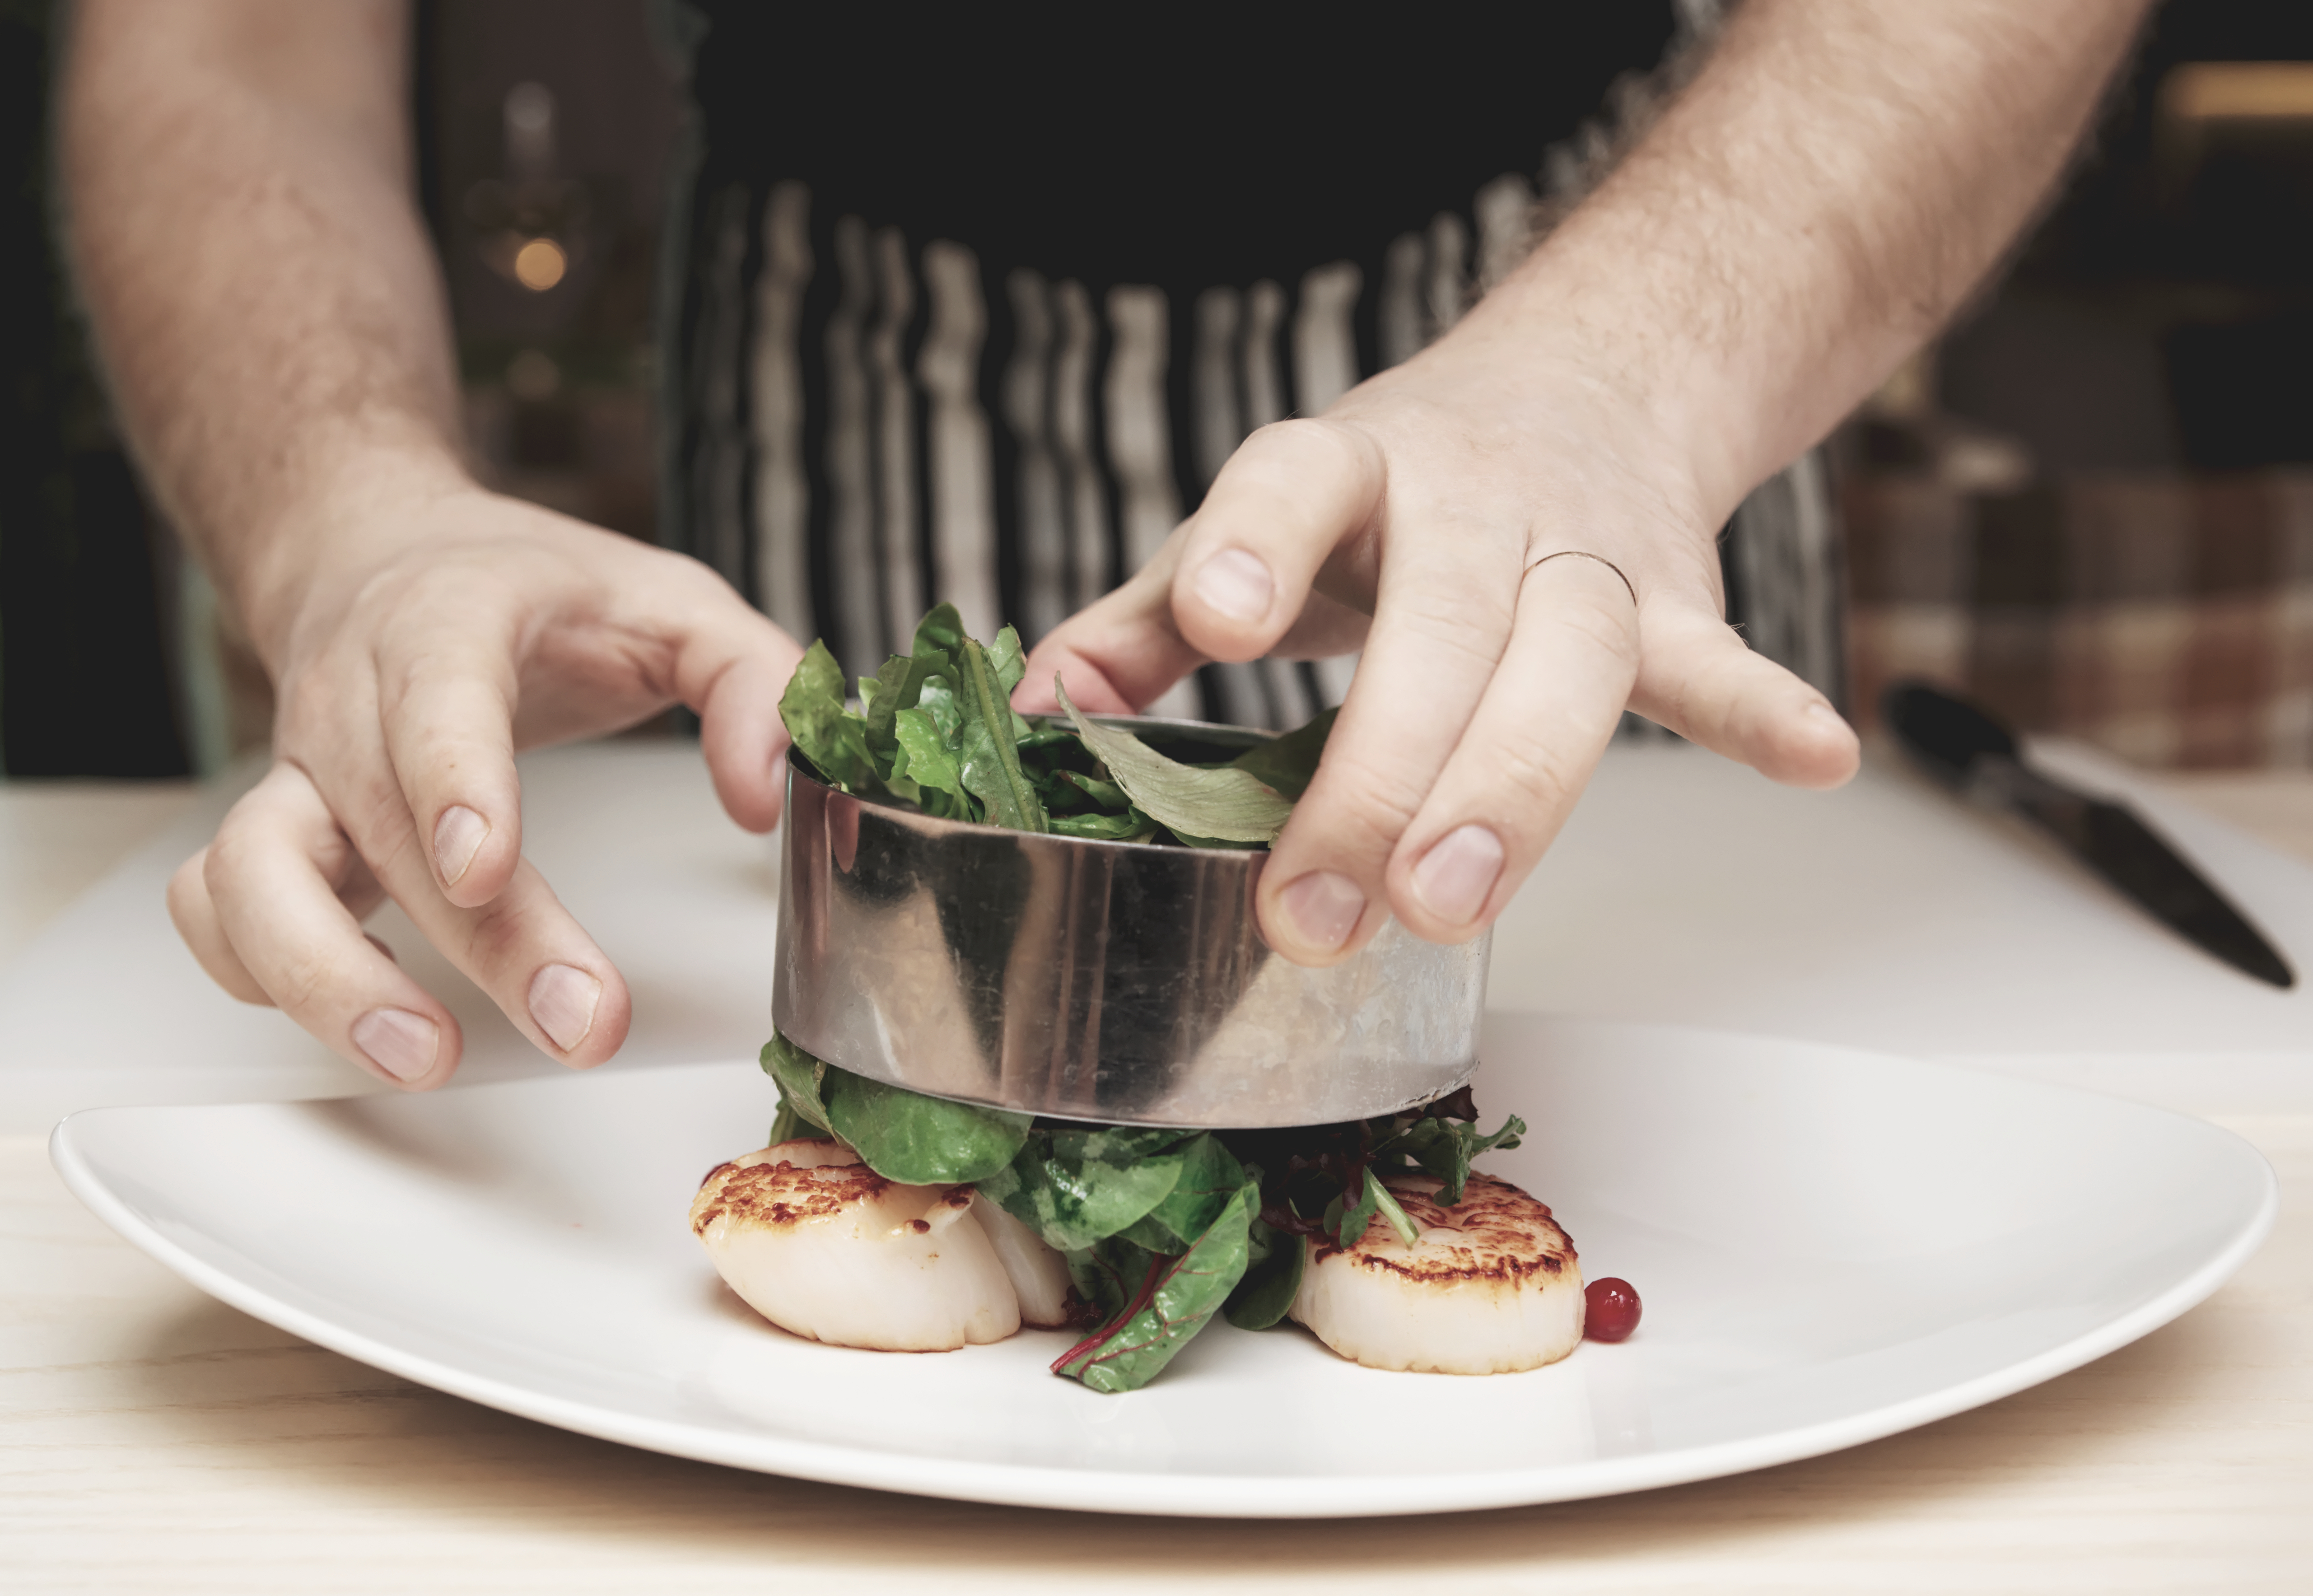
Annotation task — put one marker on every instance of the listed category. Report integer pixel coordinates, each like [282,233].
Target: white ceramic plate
[1832,1246]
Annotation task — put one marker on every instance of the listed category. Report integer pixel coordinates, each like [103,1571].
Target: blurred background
[2091,504]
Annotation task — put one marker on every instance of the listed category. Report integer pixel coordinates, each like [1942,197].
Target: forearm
[266,303]
[1826,193]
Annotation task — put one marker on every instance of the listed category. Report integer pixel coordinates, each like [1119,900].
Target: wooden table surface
[158,1441]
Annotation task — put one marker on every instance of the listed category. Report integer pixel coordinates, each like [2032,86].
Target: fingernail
[402,1044]
[562,1002]
[1237,584]
[458,836]
[1456,877]
[1323,907]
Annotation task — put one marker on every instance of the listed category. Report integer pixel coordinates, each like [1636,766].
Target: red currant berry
[1610,1310]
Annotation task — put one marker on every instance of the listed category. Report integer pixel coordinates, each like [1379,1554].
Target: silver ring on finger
[1583,554]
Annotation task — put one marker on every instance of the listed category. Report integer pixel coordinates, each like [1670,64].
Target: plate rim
[1205,1494]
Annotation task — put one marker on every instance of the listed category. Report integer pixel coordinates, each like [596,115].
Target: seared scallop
[823,1246]
[1039,1276]
[1489,1286]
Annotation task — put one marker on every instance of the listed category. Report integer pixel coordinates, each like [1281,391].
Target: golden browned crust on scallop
[1502,1234]
[779,1193]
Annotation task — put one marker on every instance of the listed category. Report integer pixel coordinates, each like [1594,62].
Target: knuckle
[308,980]
[1368,808]
[1303,443]
[1535,773]
[1606,629]
[493,936]
[1588,603]
[1473,627]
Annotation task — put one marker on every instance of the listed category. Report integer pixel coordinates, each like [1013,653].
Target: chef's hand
[1416,520]
[1835,180]
[432,639]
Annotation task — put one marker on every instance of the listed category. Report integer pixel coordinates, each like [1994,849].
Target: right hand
[1419,519]
[425,642]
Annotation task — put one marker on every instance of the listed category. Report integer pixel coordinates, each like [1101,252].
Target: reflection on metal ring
[1100,981]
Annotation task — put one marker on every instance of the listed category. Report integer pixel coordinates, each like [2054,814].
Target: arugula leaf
[1349,1222]
[797,1076]
[1444,1149]
[1272,1278]
[1106,795]
[1075,1201]
[1130,826]
[1290,763]
[1176,1300]
[990,765]
[1391,1209]
[1227,804]
[1346,1219]
[829,735]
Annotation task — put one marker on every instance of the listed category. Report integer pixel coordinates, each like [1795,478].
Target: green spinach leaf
[938,699]
[924,758]
[1114,1145]
[1074,1202]
[1275,1262]
[898,686]
[1209,1176]
[905,1136]
[1006,659]
[797,1075]
[829,735]
[941,629]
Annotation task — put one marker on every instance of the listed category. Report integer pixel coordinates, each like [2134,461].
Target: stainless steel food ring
[1095,981]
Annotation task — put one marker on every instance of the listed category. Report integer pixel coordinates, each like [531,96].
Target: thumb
[1117,654]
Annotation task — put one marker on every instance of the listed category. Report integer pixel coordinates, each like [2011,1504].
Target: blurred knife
[1969,751]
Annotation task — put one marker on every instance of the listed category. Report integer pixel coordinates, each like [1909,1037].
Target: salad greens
[936,729]
[1161,1228]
